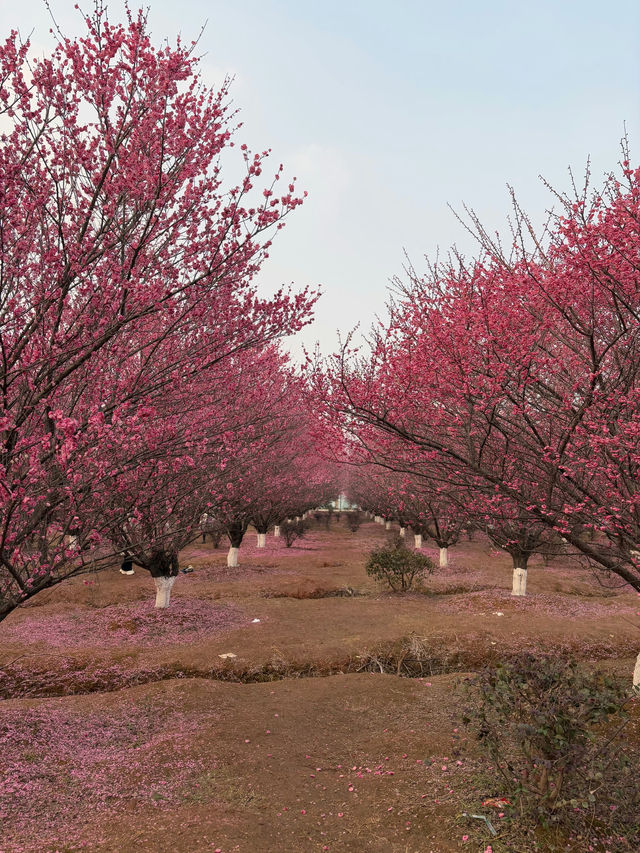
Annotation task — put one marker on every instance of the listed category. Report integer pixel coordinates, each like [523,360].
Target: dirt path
[349,762]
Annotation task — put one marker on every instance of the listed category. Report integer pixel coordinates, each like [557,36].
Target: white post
[232,557]
[519,582]
[163,590]
[417,540]
[403,531]
[636,674]
[262,540]
[387,525]
[444,558]
[276,531]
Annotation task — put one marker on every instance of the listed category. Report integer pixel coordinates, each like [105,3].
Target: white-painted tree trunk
[387,525]
[417,540]
[377,519]
[444,558]
[519,582]
[232,557]
[636,673]
[163,591]
[403,531]
[262,540]
[276,531]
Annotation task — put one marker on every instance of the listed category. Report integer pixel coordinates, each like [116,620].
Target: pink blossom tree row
[127,295]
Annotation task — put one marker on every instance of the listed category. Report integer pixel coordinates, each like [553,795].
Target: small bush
[546,724]
[397,566]
[292,530]
[213,530]
[354,520]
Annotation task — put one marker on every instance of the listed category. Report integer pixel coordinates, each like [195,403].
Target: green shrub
[354,520]
[292,530]
[397,566]
[552,731]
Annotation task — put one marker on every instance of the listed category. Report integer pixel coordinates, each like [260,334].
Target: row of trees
[442,513]
[510,383]
[251,459]
[141,381]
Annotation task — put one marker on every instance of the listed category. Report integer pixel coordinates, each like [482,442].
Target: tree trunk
[417,540]
[163,568]
[235,532]
[636,673]
[262,540]
[163,590]
[387,525]
[403,531]
[232,557]
[519,586]
[276,531]
[444,558]
[163,563]
[520,559]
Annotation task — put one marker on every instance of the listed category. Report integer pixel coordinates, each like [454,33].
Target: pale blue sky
[386,112]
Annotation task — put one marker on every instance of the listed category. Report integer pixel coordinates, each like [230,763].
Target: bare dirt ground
[123,729]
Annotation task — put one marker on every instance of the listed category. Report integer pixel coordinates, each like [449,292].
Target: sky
[392,113]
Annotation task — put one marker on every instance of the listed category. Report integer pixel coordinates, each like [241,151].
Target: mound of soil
[139,623]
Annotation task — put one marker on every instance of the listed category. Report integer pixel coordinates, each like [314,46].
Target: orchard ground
[123,728]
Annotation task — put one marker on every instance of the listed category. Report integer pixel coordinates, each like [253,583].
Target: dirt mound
[138,623]
[324,764]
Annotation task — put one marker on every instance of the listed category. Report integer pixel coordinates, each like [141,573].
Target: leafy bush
[397,566]
[292,530]
[354,520]
[546,724]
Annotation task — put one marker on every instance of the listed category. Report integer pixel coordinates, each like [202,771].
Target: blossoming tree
[126,268]
[521,371]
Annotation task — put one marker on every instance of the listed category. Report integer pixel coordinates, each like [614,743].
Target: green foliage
[552,730]
[397,566]
[354,520]
[292,530]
